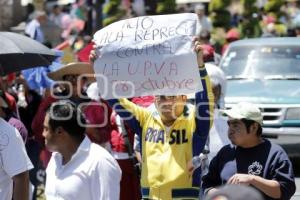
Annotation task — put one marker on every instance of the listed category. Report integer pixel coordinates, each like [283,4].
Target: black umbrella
[18,52]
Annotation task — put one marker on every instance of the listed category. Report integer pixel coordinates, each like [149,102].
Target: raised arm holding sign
[147,55]
[174,131]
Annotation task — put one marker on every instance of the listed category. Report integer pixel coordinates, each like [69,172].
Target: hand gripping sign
[150,55]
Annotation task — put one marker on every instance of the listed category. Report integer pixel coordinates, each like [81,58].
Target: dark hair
[55,6]
[248,123]
[204,35]
[66,114]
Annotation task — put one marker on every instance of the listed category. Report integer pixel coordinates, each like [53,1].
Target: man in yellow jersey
[171,134]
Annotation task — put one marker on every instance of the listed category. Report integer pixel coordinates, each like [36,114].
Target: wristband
[201,66]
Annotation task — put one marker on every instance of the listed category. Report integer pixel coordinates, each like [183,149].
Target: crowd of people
[150,147]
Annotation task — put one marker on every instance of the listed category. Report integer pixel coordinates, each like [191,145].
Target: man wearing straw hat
[71,79]
[74,77]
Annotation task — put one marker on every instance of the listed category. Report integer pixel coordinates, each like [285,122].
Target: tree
[249,27]
[98,9]
[273,5]
[112,11]
[220,16]
[150,7]
[272,8]
[166,7]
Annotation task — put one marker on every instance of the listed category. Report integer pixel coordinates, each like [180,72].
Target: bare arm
[138,156]
[21,186]
[268,187]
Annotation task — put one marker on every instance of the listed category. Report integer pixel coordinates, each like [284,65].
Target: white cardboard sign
[150,55]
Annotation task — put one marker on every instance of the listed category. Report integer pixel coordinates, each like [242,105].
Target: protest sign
[150,55]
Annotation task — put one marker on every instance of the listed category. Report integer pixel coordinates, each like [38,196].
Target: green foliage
[273,5]
[220,19]
[166,7]
[110,20]
[281,29]
[250,11]
[219,16]
[248,3]
[217,5]
[112,11]
[218,38]
[111,7]
[250,28]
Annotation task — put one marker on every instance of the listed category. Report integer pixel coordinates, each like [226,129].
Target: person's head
[232,35]
[56,10]
[40,16]
[208,53]
[218,82]
[204,36]
[63,122]
[30,8]
[200,10]
[170,107]
[245,124]
[74,75]
[75,82]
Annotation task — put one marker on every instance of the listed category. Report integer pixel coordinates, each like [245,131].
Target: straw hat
[77,68]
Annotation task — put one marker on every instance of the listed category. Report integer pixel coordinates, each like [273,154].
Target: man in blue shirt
[251,160]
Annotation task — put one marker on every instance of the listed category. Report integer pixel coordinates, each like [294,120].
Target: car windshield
[263,62]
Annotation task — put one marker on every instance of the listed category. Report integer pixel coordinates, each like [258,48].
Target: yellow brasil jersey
[165,154]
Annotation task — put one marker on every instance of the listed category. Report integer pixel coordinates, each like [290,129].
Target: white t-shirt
[92,173]
[13,158]
[218,136]
[33,29]
[204,24]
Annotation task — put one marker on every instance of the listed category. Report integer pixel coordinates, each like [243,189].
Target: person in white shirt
[33,28]
[14,164]
[78,169]
[218,132]
[204,21]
